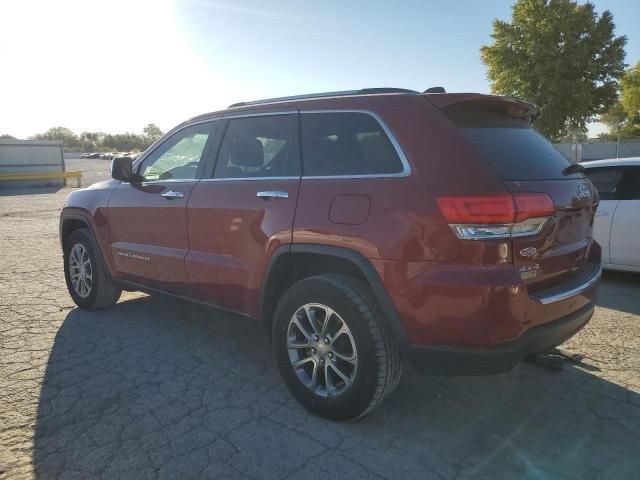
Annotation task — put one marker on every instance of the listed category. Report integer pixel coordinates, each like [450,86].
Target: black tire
[379,365]
[103,293]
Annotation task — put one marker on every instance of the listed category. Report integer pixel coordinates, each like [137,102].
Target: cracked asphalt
[160,388]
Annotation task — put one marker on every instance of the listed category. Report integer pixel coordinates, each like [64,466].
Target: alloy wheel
[322,350]
[80,270]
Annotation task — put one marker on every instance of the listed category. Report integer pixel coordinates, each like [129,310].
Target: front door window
[178,157]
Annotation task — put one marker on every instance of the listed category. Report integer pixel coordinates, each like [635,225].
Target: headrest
[246,152]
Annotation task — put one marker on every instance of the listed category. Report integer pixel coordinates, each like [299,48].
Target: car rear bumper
[583,282]
[446,360]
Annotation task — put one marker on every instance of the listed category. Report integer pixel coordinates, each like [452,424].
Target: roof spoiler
[514,107]
[435,90]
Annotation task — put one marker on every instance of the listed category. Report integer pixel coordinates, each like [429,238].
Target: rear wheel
[333,349]
[88,279]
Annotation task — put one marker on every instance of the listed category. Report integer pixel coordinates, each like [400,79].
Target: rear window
[348,143]
[510,145]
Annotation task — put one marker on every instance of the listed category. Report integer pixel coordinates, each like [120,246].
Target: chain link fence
[588,150]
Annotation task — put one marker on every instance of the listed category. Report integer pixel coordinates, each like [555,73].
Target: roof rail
[344,93]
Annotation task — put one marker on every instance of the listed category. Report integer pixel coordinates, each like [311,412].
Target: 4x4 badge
[583,192]
[529,251]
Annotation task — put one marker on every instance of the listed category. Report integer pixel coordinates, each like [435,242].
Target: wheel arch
[293,262]
[69,223]
[73,221]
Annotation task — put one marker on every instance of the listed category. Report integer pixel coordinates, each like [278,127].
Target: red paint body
[215,244]
[233,234]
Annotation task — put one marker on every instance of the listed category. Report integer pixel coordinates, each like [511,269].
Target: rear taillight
[494,217]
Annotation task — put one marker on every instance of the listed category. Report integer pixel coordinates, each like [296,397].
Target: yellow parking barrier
[40,176]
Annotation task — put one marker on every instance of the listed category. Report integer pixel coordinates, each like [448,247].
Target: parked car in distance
[132,155]
[361,229]
[617,222]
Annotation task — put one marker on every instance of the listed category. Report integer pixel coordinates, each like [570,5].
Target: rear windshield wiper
[573,168]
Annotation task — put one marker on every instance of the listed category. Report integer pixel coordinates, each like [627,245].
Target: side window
[348,143]
[261,146]
[178,157]
[606,180]
[630,184]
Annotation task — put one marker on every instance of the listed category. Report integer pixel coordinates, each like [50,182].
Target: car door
[244,210]
[625,228]
[607,181]
[148,218]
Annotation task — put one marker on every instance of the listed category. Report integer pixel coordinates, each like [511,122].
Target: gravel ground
[157,387]
[93,170]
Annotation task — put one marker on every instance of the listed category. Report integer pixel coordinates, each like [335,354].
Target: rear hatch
[527,163]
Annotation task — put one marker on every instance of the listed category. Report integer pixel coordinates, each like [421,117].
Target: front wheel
[88,280]
[333,348]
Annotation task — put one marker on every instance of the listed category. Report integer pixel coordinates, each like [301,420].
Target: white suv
[617,222]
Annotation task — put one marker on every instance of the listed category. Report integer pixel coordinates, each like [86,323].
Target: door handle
[170,195]
[602,214]
[268,195]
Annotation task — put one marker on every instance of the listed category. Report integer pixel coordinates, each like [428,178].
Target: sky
[117,65]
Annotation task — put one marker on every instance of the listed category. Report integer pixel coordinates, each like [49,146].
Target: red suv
[359,228]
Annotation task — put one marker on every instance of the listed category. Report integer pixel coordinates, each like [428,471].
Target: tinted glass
[514,150]
[178,157]
[262,146]
[606,181]
[346,144]
[630,184]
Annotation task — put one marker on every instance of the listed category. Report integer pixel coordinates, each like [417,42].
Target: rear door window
[346,143]
[513,149]
[606,181]
[259,146]
[630,184]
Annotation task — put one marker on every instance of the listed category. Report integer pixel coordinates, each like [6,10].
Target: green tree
[623,118]
[560,55]
[152,133]
[6,136]
[125,142]
[68,138]
[630,84]
[92,141]
[102,142]
[615,119]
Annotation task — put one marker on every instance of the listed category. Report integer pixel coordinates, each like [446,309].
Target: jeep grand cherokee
[361,229]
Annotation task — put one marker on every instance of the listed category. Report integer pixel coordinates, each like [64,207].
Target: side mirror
[122,169]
